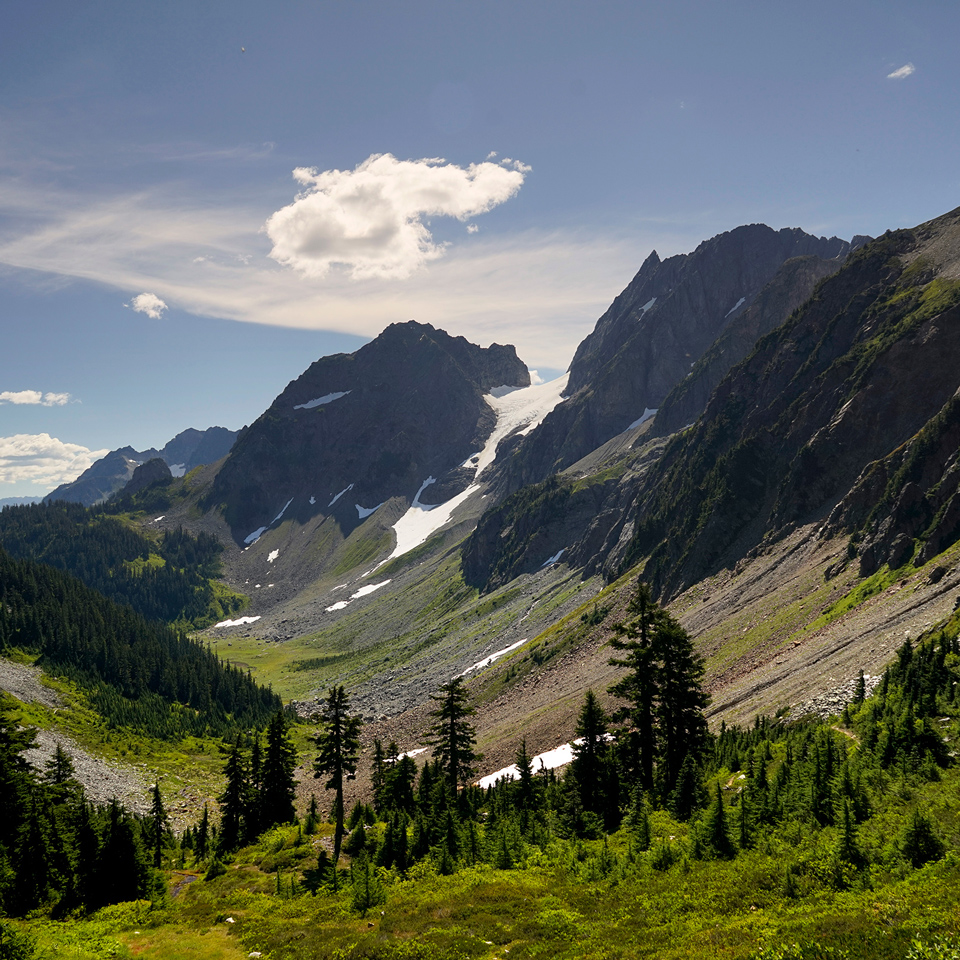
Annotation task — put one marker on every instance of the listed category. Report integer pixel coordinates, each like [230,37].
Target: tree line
[650,757]
[138,673]
[57,849]
[168,578]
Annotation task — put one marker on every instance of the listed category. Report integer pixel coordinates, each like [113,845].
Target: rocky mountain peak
[407,406]
[653,334]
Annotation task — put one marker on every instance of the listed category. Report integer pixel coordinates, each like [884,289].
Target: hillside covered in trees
[169,577]
[137,673]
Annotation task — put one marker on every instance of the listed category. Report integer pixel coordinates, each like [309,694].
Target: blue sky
[199,199]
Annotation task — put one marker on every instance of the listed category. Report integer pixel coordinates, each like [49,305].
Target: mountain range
[111,473]
[764,429]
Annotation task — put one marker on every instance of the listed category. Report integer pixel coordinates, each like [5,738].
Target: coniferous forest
[169,578]
[843,835]
[137,673]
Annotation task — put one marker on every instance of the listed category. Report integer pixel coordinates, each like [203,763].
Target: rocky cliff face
[655,332]
[847,414]
[791,286]
[110,474]
[858,371]
[358,429]
[146,474]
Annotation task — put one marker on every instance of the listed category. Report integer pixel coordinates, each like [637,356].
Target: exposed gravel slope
[102,781]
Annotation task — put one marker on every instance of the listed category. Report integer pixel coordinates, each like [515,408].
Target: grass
[562,905]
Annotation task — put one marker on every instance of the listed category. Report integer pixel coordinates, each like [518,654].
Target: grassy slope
[594,900]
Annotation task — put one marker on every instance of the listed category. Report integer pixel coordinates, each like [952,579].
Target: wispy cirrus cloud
[34,398]
[369,220]
[540,290]
[43,460]
[908,69]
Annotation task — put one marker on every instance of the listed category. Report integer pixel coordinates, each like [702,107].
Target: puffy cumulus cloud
[43,460]
[34,398]
[903,72]
[148,303]
[370,220]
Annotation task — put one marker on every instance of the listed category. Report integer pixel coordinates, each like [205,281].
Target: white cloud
[541,291]
[43,460]
[148,303]
[34,398]
[369,220]
[903,72]
[472,228]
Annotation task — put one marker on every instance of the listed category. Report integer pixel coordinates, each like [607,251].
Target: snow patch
[236,623]
[362,592]
[339,495]
[369,588]
[272,555]
[558,757]
[158,519]
[648,414]
[551,560]
[421,521]
[736,306]
[522,410]
[366,511]
[177,469]
[328,398]
[647,306]
[481,664]
[423,486]
[413,753]
[252,538]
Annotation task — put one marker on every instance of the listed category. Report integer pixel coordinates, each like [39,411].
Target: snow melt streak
[480,664]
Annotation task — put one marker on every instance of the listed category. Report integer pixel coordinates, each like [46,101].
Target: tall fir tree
[452,736]
[234,803]
[338,740]
[277,783]
[663,713]
[158,825]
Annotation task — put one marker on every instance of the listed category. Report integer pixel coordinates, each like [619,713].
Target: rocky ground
[101,780]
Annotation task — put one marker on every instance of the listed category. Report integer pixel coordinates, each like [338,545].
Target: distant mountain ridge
[111,473]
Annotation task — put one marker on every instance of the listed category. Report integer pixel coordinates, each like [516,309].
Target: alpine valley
[756,448]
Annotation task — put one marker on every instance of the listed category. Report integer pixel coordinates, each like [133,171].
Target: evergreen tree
[313,817]
[919,841]
[277,779]
[452,737]
[847,848]
[378,775]
[664,698]
[525,787]
[589,752]
[202,838]
[715,833]
[398,788]
[158,825]
[233,803]
[688,794]
[338,739]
